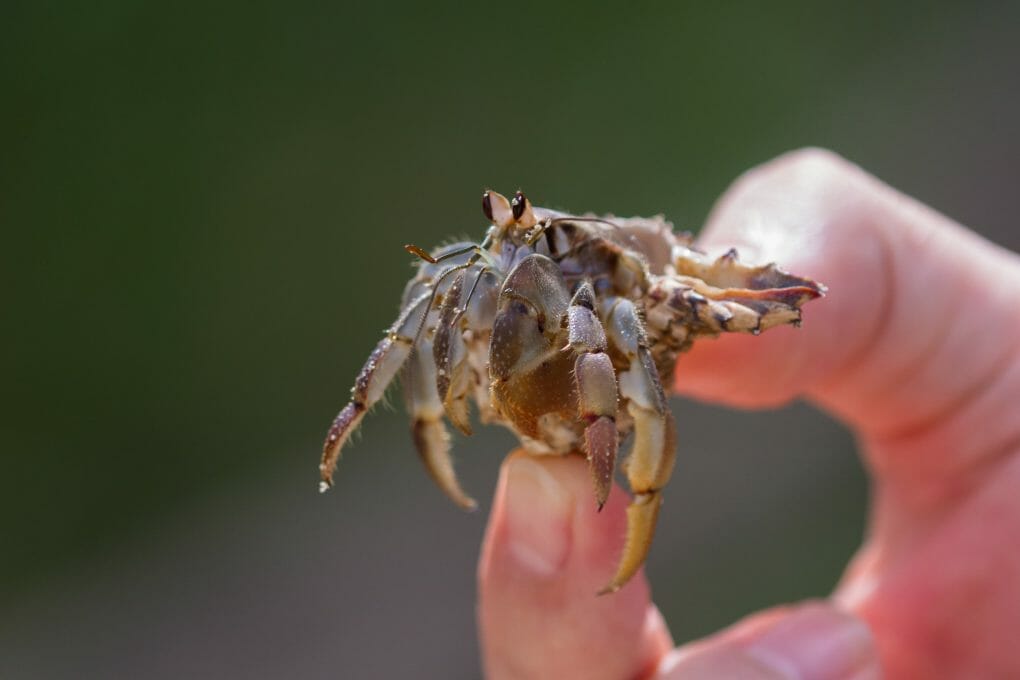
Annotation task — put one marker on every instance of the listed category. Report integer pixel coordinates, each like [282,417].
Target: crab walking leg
[650,462]
[727,271]
[450,354]
[727,295]
[430,435]
[596,389]
[378,372]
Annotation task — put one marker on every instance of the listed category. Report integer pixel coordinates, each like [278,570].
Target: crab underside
[565,329]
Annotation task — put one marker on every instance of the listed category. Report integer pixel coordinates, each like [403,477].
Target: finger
[547,553]
[919,332]
[812,642]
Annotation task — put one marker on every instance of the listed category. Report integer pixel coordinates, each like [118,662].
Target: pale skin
[916,348]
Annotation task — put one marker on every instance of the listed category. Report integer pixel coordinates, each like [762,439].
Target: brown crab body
[564,329]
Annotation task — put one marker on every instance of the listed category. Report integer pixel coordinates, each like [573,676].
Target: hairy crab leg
[682,307]
[479,313]
[430,435]
[742,298]
[450,355]
[596,389]
[727,271]
[378,372]
[455,376]
[650,462]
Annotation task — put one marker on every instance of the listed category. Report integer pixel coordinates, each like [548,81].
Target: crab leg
[739,297]
[650,462]
[596,389]
[378,372]
[449,351]
[430,435]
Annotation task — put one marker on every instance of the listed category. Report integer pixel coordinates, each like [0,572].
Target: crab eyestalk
[497,209]
[524,214]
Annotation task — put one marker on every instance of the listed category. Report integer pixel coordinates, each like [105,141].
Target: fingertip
[539,575]
[812,213]
[538,503]
[546,521]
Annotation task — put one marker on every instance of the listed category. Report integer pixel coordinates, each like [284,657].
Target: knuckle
[813,159]
[811,169]
[796,197]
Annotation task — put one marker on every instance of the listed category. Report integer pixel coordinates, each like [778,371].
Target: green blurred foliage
[203,205]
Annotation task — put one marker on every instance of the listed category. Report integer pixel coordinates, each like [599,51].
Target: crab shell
[563,328]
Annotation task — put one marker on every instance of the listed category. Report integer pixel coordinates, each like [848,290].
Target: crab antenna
[420,252]
[571,218]
[482,271]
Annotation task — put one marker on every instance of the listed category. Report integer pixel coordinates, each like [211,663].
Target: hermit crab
[565,329]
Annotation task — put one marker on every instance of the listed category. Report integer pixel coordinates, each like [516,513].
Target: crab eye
[487,205]
[518,204]
[497,209]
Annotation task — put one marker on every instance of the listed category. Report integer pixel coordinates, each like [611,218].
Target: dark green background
[202,212]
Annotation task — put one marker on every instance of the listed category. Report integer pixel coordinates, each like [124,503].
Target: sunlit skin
[917,349]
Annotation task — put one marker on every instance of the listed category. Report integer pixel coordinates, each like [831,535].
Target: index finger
[917,336]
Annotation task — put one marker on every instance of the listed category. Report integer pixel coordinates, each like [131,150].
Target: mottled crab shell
[563,328]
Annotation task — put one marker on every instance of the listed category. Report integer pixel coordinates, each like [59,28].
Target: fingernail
[816,642]
[538,515]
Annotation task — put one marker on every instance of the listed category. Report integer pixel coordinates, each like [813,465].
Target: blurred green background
[203,208]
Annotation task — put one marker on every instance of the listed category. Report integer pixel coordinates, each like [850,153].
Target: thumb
[813,641]
[547,552]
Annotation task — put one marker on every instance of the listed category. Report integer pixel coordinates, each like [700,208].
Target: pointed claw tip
[600,505]
[325,486]
[608,590]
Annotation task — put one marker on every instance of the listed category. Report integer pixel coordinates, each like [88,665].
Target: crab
[565,329]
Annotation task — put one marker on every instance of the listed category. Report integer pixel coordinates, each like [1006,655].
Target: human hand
[917,349]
